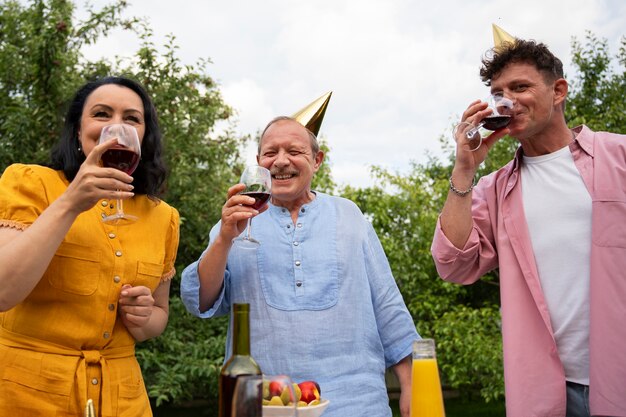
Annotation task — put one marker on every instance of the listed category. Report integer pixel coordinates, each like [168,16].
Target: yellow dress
[64,343]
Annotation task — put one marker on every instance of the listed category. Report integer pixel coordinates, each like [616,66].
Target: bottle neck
[424,349]
[241,330]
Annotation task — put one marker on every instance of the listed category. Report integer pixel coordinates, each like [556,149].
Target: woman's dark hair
[149,177]
[521,51]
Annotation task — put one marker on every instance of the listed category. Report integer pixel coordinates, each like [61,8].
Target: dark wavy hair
[521,51]
[149,177]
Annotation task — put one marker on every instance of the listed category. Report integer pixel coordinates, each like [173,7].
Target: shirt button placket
[117,279]
[298,281]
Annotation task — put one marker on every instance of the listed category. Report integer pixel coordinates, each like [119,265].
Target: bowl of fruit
[278,399]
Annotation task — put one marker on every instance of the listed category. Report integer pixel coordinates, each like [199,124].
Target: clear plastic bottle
[426,395]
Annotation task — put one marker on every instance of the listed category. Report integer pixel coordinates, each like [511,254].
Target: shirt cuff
[190,293]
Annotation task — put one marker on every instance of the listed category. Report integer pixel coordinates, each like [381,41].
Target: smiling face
[286,151]
[538,100]
[109,104]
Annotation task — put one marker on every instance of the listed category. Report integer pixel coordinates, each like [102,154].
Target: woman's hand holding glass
[94,183]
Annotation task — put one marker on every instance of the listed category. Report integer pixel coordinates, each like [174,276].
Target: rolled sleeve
[190,293]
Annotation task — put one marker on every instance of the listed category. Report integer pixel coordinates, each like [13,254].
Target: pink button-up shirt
[533,373]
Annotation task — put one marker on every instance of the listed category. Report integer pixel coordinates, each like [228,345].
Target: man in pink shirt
[553,220]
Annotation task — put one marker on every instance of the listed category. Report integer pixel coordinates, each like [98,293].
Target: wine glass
[501,112]
[280,398]
[247,396]
[123,156]
[258,182]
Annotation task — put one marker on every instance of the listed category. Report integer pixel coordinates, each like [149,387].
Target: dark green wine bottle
[240,362]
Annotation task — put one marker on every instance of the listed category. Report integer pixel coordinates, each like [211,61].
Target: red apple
[310,391]
[276,388]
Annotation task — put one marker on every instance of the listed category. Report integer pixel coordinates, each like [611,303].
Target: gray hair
[315,146]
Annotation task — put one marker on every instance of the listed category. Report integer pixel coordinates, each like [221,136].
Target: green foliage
[40,69]
[34,79]
[323,179]
[202,164]
[469,349]
[598,93]
[184,363]
[463,319]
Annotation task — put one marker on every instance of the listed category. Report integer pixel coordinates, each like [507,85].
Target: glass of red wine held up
[123,156]
[258,182]
[502,111]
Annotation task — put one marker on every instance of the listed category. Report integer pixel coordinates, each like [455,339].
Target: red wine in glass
[123,159]
[258,182]
[496,122]
[124,156]
[260,198]
[502,110]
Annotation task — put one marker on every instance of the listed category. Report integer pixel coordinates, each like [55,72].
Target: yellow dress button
[116,279]
[104,203]
[106,335]
[94,381]
[111,307]
[111,235]
[118,253]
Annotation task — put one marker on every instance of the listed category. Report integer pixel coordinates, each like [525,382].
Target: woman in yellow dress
[77,293]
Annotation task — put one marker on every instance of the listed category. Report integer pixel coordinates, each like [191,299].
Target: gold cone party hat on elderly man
[311,115]
[500,37]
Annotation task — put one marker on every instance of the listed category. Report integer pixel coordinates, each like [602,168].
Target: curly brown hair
[521,51]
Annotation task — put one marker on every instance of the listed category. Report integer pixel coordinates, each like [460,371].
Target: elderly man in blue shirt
[324,305]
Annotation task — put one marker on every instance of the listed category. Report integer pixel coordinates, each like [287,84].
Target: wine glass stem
[120,207]
[248,229]
[472,132]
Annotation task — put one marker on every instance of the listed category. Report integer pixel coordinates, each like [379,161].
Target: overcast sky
[400,70]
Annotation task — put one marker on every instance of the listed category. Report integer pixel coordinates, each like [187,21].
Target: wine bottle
[240,362]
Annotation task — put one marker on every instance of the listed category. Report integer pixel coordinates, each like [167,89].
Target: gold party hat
[311,115]
[500,37]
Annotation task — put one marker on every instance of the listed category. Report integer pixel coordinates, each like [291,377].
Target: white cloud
[401,70]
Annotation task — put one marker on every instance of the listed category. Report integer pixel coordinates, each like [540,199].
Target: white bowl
[307,411]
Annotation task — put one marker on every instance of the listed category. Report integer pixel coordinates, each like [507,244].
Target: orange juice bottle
[426,397]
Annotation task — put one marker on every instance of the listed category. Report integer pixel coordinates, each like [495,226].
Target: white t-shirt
[557,206]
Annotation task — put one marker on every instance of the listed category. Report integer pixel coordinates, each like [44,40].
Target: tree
[41,67]
[599,90]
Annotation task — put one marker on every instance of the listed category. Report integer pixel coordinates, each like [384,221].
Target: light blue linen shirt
[324,305]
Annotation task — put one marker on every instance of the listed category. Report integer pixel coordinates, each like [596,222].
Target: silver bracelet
[459,192]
